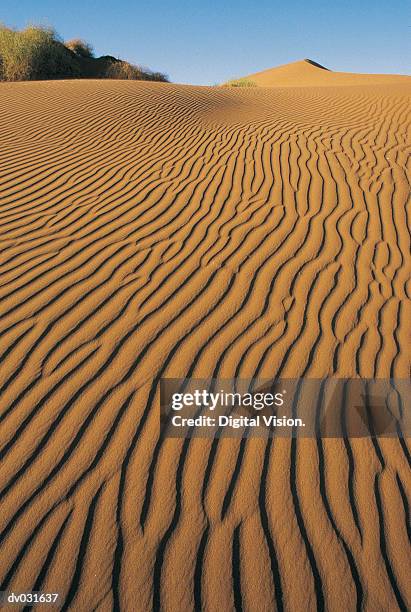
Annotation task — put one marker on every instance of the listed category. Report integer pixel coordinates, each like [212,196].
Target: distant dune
[153,230]
[307,73]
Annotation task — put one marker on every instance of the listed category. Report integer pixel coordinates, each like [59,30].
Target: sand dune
[307,73]
[153,230]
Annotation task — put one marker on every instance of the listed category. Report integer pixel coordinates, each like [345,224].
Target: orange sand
[155,230]
[305,74]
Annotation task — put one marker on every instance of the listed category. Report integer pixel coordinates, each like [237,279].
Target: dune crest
[308,73]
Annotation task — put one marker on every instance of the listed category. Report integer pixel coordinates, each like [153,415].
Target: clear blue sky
[208,41]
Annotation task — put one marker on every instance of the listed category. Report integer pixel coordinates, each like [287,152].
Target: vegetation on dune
[34,53]
[80,47]
[239,83]
[123,70]
[37,53]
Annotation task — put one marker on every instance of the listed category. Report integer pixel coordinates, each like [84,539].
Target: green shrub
[80,47]
[156,76]
[123,70]
[33,53]
[37,53]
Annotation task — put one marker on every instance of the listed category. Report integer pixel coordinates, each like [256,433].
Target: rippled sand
[152,230]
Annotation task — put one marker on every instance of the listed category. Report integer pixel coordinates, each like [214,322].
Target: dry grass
[124,70]
[80,47]
[37,53]
[239,83]
[33,53]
